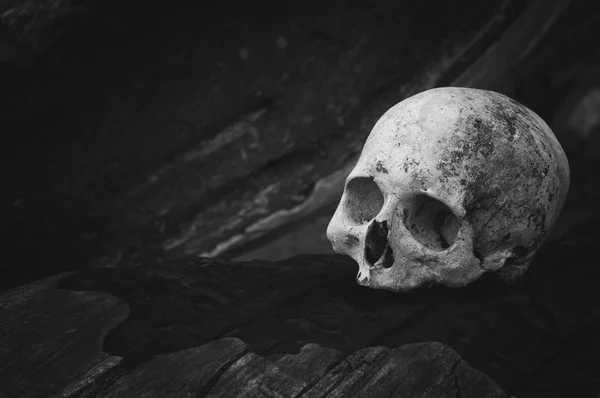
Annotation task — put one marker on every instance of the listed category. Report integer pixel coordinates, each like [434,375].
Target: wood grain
[51,340]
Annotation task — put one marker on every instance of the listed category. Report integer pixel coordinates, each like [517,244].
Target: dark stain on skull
[510,120]
[480,199]
[410,163]
[492,175]
[552,196]
[517,119]
[478,142]
[380,167]
[351,239]
[513,115]
[537,219]
[546,170]
[481,136]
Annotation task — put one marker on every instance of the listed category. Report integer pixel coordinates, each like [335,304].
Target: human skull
[451,183]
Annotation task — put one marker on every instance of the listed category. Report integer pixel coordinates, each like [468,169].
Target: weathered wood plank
[186,373]
[415,370]
[224,368]
[288,376]
[351,371]
[51,340]
[418,370]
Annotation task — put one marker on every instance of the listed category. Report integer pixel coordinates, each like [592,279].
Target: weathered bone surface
[451,183]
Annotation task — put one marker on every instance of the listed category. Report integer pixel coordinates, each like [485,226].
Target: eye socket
[364,200]
[431,222]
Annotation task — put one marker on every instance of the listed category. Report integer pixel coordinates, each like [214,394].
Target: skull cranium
[451,183]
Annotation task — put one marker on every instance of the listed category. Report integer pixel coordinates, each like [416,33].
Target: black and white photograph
[300,199]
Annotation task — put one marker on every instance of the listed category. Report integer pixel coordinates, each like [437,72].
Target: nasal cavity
[377,249]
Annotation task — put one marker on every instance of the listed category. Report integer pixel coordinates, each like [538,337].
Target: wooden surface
[303,327]
[191,130]
[50,339]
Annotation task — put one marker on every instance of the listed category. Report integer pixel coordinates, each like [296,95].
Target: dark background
[123,121]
